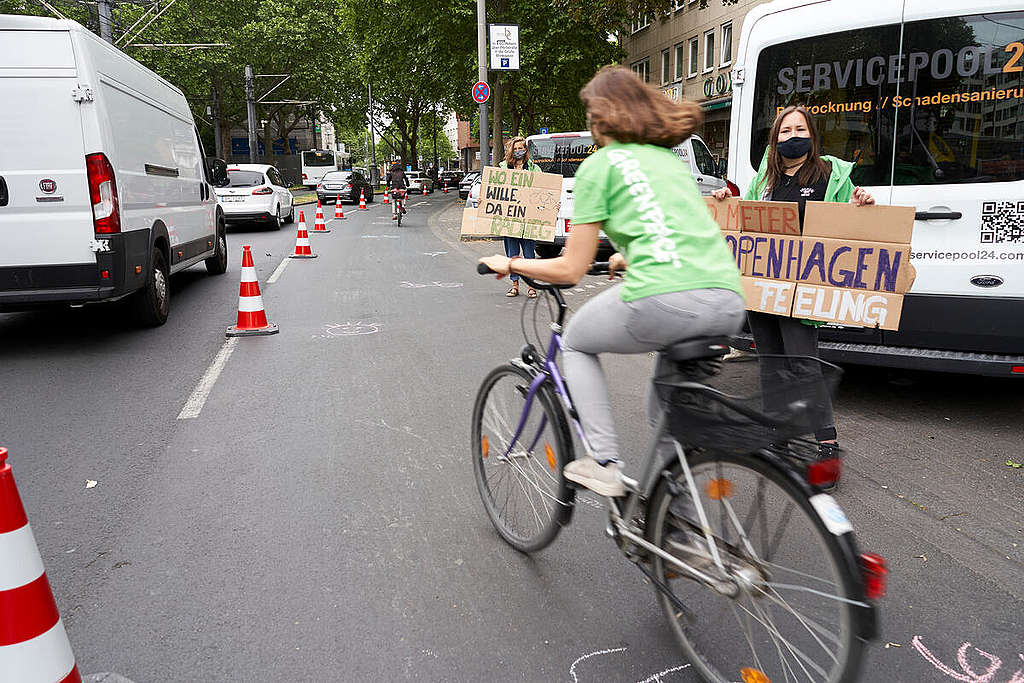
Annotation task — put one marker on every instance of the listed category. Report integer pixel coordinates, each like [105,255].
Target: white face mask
[519,153]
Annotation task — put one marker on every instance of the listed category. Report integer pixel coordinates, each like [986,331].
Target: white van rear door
[960,149]
[48,216]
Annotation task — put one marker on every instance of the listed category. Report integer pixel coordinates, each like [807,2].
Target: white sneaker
[604,480]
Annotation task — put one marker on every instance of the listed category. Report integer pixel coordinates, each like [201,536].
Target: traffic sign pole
[481,48]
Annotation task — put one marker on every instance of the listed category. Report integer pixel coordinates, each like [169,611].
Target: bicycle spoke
[787,513]
[801,656]
[807,621]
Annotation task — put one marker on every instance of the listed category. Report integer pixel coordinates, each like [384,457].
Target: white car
[105,191]
[473,199]
[418,182]
[256,192]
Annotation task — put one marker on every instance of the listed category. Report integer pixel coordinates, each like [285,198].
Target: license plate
[332,186]
[233,199]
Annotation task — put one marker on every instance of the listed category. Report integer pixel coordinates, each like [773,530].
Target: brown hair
[510,160]
[626,109]
[814,167]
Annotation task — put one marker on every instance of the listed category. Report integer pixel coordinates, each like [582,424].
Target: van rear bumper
[26,287]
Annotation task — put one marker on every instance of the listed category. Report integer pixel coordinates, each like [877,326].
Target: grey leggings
[606,323]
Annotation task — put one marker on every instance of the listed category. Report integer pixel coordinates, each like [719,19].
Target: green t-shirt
[651,210]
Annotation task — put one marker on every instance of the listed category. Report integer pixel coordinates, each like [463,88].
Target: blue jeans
[512,247]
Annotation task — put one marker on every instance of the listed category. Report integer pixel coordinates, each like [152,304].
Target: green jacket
[530,166]
[839,189]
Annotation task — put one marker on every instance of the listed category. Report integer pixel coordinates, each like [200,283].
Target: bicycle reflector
[718,489]
[753,676]
[824,472]
[875,571]
[551,455]
[485,446]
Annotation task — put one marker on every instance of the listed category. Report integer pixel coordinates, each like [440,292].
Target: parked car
[467,182]
[419,182]
[344,186]
[562,153]
[256,192]
[473,198]
[449,179]
[105,191]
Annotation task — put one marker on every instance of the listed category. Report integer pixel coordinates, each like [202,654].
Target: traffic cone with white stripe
[338,213]
[446,188]
[34,647]
[386,200]
[302,249]
[252,319]
[318,221]
[362,200]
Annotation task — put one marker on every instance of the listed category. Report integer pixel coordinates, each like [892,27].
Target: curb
[106,678]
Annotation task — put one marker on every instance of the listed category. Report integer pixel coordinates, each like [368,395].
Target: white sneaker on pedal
[604,480]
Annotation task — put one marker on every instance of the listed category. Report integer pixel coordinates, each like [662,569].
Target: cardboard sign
[867,223]
[851,266]
[515,203]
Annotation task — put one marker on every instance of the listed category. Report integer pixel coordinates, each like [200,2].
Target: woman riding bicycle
[681,282]
[397,185]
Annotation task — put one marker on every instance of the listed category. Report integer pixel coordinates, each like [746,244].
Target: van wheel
[152,303]
[218,263]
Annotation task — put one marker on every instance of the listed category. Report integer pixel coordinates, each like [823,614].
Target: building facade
[688,54]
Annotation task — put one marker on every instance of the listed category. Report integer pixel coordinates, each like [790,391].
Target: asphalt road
[318,520]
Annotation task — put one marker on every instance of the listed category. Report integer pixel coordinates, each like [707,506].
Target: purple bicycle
[755,567]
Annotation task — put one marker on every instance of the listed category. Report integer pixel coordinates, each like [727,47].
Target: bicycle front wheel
[788,607]
[520,477]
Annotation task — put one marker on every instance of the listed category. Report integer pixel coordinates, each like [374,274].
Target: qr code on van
[1002,222]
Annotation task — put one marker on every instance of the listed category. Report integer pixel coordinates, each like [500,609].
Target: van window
[957,116]
[314,159]
[705,162]
[561,155]
[244,178]
[845,104]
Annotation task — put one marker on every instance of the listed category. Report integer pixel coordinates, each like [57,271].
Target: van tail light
[875,571]
[348,187]
[304,176]
[734,189]
[824,472]
[263,190]
[106,213]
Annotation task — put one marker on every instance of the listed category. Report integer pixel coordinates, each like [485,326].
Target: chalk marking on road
[405,430]
[435,283]
[656,678]
[968,675]
[194,405]
[434,253]
[350,329]
[572,668]
[277,271]
[379,237]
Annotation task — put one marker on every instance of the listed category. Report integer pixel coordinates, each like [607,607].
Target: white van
[927,97]
[104,189]
[316,163]
[563,153]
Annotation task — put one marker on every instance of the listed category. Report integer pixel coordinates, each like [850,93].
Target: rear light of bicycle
[875,572]
[824,472]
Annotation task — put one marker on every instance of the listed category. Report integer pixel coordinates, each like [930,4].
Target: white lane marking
[194,404]
[277,271]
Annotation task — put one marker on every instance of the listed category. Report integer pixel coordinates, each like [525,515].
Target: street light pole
[373,143]
[435,139]
[250,109]
[481,48]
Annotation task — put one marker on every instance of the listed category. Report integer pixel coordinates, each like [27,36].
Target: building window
[693,57]
[726,44]
[641,23]
[681,58]
[666,67]
[709,51]
[643,69]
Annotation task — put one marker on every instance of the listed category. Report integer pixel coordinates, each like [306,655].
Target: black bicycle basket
[794,400]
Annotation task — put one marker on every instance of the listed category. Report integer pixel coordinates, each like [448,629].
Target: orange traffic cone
[362,200]
[338,213]
[318,222]
[446,188]
[302,249]
[386,200]
[252,318]
[34,646]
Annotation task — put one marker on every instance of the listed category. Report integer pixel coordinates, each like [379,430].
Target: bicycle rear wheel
[398,210]
[795,611]
[520,479]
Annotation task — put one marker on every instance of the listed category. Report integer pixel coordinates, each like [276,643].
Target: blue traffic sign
[543,131]
[481,92]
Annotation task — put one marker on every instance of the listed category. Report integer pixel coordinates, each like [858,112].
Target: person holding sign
[794,170]
[682,281]
[517,156]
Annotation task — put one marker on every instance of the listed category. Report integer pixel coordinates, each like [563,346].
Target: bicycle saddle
[694,349]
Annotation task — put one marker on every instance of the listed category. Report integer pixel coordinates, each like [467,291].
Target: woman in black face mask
[793,170]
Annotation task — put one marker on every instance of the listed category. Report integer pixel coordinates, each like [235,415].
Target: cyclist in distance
[397,181]
[682,281]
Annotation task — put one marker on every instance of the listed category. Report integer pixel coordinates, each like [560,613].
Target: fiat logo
[48,186]
[986,280]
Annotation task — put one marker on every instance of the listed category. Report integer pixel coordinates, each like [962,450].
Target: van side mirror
[218,172]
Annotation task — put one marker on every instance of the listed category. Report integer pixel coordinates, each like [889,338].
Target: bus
[316,163]
[927,97]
